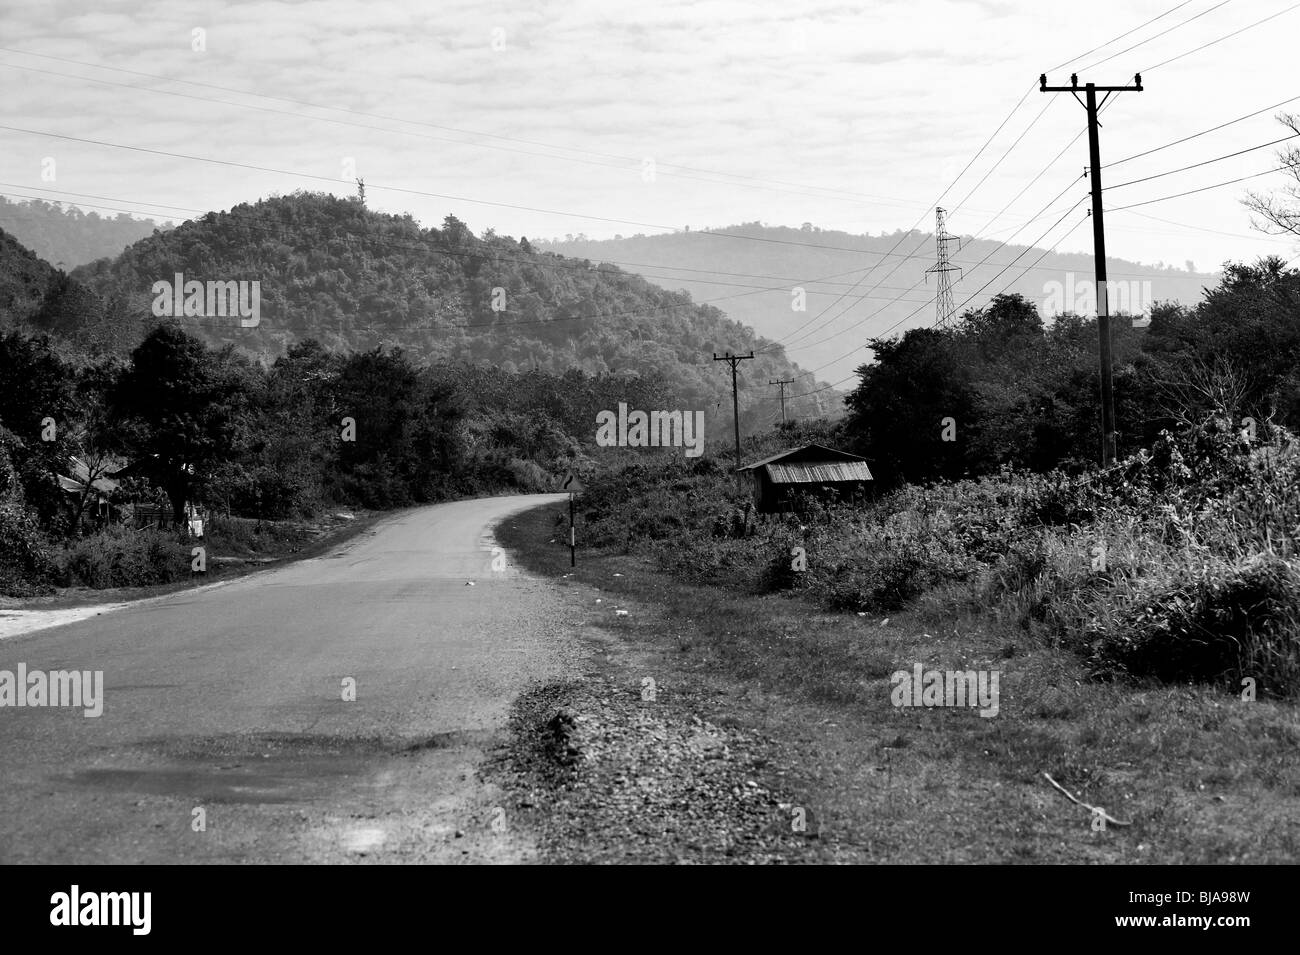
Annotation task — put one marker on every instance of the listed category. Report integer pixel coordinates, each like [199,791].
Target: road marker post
[573,486]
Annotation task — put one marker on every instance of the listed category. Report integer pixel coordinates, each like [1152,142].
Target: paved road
[229,699]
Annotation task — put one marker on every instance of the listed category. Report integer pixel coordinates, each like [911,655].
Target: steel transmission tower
[945,310]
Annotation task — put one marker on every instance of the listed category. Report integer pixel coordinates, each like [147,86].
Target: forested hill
[67,237]
[355,279]
[24,281]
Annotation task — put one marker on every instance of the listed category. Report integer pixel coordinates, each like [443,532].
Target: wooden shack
[823,473]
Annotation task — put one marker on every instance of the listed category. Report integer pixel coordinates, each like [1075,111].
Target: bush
[121,557]
[528,476]
[25,564]
[778,571]
[1216,623]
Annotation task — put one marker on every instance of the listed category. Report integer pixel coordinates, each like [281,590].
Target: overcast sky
[617,117]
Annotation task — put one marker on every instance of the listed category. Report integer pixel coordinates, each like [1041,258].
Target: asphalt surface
[225,735]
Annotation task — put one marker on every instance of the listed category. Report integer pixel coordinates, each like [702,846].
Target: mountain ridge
[354,279]
[714,263]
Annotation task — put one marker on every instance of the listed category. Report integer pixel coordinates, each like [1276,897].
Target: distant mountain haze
[827,264]
[66,237]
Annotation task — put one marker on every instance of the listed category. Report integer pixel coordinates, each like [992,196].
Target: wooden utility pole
[733,361]
[783,382]
[1099,246]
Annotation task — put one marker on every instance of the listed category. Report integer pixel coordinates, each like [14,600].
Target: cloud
[886,101]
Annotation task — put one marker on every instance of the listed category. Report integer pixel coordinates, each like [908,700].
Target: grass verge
[1202,777]
[235,547]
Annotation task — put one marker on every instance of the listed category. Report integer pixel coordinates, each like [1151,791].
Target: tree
[69,309]
[176,405]
[896,415]
[38,405]
[1009,322]
[94,437]
[1272,210]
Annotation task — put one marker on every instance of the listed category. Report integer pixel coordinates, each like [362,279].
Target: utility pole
[1099,246]
[945,310]
[782,383]
[733,361]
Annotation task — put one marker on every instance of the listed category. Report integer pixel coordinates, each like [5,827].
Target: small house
[95,502]
[824,473]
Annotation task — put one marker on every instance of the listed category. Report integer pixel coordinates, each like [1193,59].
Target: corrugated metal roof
[818,473]
[72,485]
[814,450]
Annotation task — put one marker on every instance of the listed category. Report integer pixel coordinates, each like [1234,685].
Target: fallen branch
[1093,809]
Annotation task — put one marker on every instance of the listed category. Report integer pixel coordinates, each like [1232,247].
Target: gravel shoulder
[637,761]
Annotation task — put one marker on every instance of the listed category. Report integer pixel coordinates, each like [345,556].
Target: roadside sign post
[573,486]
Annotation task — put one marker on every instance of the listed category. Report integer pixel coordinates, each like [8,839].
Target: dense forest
[178,422]
[354,279]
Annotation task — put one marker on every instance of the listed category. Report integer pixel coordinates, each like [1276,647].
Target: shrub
[528,476]
[1215,623]
[25,564]
[121,557]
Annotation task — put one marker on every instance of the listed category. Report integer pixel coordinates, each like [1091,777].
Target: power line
[788,340]
[1157,36]
[620,161]
[1221,39]
[1197,165]
[380,240]
[1009,265]
[1204,132]
[982,262]
[498,326]
[253,222]
[1061,66]
[453,198]
[1065,235]
[1191,192]
[904,318]
[895,246]
[481,134]
[1197,228]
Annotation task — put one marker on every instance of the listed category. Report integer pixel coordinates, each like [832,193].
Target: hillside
[25,279]
[712,267]
[354,279]
[68,237]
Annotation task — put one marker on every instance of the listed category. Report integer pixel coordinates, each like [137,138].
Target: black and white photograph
[701,432]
